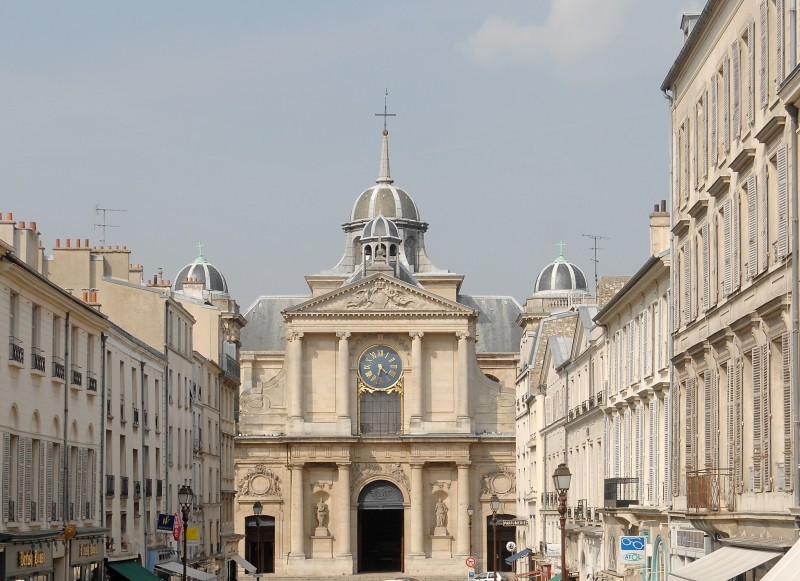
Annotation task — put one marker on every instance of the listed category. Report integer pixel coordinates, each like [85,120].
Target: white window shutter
[713,272]
[49,477]
[738,424]
[736,86]
[766,418]
[676,443]
[93,474]
[786,366]
[706,272]
[21,479]
[685,161]
[666,454]
[751,73]
[707,423]
[752,227]
[628,449]
[658,338]
[6,492]
[713,120]
[59,455]
[780,43]
[676,169]
[704,130]
[757,416]
[617,446]
[728,238]
[726,105]
[86,496]
[763,218]
[639,466]
[764,56]
[77,496]
[42,470]
[652,455]
[783,202]
[730,419]
[687,286]
[715,418]
[736,242]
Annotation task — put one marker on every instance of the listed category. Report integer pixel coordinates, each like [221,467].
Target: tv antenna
[104,221]
[595,248]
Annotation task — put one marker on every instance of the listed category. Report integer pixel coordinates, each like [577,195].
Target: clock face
[380,367]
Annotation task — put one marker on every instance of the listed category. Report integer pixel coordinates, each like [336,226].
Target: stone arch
[36,423]
[73,435]
[56,427]
[660,570]
[13,417]
[380,494]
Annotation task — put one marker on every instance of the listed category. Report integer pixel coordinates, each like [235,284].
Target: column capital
[463,335]
[296,466]
[416,334]
[294,335]
[344,464]
[343,335]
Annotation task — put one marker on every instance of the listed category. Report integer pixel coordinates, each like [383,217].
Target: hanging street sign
[517,522]
[632,549]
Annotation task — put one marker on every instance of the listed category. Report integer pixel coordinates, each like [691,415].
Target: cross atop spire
[561,246]
[200,257]
[385,113]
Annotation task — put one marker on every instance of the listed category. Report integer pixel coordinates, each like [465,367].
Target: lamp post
[561,480]
[494,506]
[257,508]
[185,496]
[470,512]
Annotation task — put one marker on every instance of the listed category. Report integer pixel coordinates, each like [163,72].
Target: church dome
[384,198]
[380,227]
[203,271]
[560,275]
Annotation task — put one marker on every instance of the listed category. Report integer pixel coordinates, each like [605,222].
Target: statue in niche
[322,513]
[441,514]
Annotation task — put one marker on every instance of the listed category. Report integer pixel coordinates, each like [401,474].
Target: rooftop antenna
[385,113]
[104,222]
[595,248]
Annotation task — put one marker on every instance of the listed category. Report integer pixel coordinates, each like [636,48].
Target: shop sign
[24,560]
[632,549]
[27,559]
[85,551]
[166,523]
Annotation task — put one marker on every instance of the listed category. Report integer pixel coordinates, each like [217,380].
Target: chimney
[659,228]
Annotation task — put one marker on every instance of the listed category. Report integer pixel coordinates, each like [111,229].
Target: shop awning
[132,571]
[723,564]
[515,556]
[786,567]
[248,566]
[177,568]
[556,577]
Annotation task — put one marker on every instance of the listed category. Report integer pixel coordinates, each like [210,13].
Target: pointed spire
[384,176]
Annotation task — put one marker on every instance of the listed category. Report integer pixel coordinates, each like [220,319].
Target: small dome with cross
[560,275]
[203,272]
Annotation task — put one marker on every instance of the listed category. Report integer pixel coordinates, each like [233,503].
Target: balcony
[53,511]
[580,510]
[33,515]
[620,492]
[231,367]
[38,362]
[135,416]
[586,405]
[148,487]
[76,376]
[123,486]
[144,419]
[110,484]
[59,372]
[87,510]
[601,395]
[15,351]
[159,488]
[591,401]
[137,489]
[198,446]
[549,500]
[108,409]
[710,490]
[157,428]
[91,381]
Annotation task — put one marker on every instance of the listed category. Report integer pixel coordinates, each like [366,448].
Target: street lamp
[185,496]
[470,512]
[494,506]
[257,508]
[561,479]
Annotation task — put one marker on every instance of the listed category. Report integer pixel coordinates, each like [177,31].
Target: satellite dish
[511,546]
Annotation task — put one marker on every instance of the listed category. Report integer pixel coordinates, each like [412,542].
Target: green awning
[132,571]
[556,577]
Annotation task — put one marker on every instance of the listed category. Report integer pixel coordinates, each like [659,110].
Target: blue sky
[250,126]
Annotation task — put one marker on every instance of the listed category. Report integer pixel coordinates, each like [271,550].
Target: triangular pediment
[378,294]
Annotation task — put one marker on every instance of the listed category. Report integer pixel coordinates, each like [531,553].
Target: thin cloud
[573,30]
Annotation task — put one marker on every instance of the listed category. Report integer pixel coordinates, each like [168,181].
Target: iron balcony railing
[231,366]
[91,381]
[12,511]
[123,486]
[549,500]
[600,396]
[76,376]
[58,369]
[620,492]
[137,489]
[159,488]
[148,487]
[15,350]
[135,416]
[710,490]
[38,361]
[110,485]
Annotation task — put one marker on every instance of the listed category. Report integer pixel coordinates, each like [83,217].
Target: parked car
[491,576]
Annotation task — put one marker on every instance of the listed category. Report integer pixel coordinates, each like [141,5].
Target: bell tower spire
[384,175]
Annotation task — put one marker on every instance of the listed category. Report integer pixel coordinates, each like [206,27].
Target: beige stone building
[732,90]
[377,409]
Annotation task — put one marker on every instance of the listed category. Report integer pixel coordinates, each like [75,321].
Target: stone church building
[377,409]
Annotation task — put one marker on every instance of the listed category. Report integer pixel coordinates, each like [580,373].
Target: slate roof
[560,349]
[264,330]
[498,331]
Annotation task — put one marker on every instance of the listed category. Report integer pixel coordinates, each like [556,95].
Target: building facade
[376,410]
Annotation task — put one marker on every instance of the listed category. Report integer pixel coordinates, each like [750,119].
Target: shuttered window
[763,219]
[727,236]
[676,443]
[764,53]
[736,86]
[712,264]
[687,283]
[6,492]
[738,425]
[752,228]
[691,425]
[736,245]
[709,418]
[766,419]
[666,454]
[702,130]
[751,73]
[652,450]
[617,446]
[639,462]
[758,370]
[783,202]
[730,418]
[714,120]
[49,476]
[780,43]
[786,369]
[676,169]
[706,272]
[685,160]
[726,106]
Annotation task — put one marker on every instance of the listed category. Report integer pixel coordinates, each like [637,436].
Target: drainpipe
[65,452]
[103,405]
[144,458]
[792,110]
[168,385]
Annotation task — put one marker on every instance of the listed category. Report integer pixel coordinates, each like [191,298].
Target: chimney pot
[9,216]
[32,225]
[21,225]
[58,242]
[69,243]
[86,242]
[77,243]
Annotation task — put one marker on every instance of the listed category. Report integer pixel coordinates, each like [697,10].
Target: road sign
[471,561]
[517,522]
[166,522]
[632,549]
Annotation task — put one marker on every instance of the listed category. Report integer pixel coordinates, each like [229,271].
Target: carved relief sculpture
[260,481]
[501,481]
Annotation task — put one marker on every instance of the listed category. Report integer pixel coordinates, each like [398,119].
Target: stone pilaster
[296,550]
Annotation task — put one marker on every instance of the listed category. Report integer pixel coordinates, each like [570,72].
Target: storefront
[86,558]
[28,561]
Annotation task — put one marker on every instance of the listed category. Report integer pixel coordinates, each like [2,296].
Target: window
[379,414]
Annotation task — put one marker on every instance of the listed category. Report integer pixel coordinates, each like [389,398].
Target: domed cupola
[384,198]
[560,276]
[380,227]
[200,272]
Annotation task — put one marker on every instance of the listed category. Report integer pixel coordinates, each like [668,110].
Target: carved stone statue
[322,513]
[441,513]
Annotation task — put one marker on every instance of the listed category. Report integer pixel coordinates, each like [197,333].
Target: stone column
[462,390]
[343,379]
[415,391]
[417,514]
[294,352]
[343,512]
[296,550]
[462,546]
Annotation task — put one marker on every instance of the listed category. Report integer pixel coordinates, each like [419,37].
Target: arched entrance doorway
[380,528]
[260,542]
[504,535]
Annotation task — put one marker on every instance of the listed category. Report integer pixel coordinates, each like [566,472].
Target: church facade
[377,412]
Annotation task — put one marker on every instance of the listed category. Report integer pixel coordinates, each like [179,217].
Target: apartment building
[733,456]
